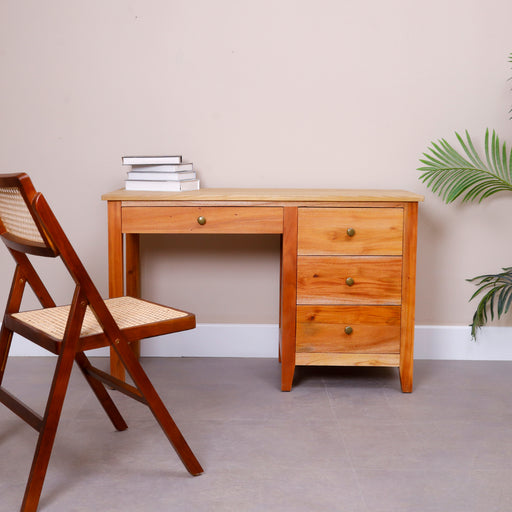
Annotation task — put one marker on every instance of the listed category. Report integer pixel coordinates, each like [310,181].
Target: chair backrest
[20,227]
[29,226]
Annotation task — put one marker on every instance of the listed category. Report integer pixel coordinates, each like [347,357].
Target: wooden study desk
[348,264]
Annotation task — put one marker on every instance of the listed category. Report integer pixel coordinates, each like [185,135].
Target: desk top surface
[264,195]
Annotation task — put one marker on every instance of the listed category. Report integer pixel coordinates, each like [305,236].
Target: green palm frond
[451,173]
[497,290]
[510,60]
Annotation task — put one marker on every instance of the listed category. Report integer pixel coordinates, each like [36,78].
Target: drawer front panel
[348,329]
[323,280]
[199,219]
[368,231]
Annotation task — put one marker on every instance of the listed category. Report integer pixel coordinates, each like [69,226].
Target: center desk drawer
[202,219]
[349,280]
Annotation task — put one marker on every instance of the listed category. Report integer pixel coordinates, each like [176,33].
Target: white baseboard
[261,340]
[206,340]
[454,342]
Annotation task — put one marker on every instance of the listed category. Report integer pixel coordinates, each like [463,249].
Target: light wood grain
[115,272]
[267,195]
[322,280]
[133,284]
[408,298]
[375,329]
[327,359]
[377,231]
[223,219]
[317,256]
[115,250]
[288,297]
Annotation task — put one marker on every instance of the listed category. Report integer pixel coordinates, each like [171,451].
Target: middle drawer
[349,280]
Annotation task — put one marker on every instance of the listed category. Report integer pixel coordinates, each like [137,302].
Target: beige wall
[284,93]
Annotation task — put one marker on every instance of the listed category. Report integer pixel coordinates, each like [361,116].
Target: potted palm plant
[466,175]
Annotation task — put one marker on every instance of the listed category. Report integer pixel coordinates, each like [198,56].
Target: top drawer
[202,219]
[345,231]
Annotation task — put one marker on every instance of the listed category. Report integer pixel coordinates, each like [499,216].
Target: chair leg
[101,393]
[47,432]
[158,408]
[5,345]
[54,404]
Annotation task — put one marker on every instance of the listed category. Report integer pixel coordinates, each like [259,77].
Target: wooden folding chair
[28,226]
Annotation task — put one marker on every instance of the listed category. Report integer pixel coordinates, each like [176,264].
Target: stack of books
[167,173]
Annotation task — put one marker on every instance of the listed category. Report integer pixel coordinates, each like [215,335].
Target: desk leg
[115,271]
[288,297]
[408,296]
[133,274]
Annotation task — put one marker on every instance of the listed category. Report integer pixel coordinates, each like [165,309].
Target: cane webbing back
[16,216]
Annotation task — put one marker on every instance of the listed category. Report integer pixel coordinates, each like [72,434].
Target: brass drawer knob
[350,281]
[348,330]
[351,231]
[201,220]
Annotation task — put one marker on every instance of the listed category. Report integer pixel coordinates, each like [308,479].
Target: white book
[147,160]
[161,176]
[168,186]
[163,168]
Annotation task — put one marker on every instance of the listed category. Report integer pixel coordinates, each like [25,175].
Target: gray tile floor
[344,439]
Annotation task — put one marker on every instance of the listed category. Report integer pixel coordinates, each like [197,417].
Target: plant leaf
[452,174]
[497,297]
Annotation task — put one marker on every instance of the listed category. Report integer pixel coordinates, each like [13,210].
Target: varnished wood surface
[115,271]
[322,280]
[330,359]
[217,219]
[132,279]
[115,250]
[379,255]
[288,299]
[376,231]
[270,195]
[408,298]
[374,329]
[317,256]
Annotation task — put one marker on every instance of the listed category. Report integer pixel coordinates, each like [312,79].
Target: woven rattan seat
[126,311]
[28,227]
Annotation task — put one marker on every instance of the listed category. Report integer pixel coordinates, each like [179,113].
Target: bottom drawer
[348,329]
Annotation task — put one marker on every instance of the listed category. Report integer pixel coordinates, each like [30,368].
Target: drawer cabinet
[353,288]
